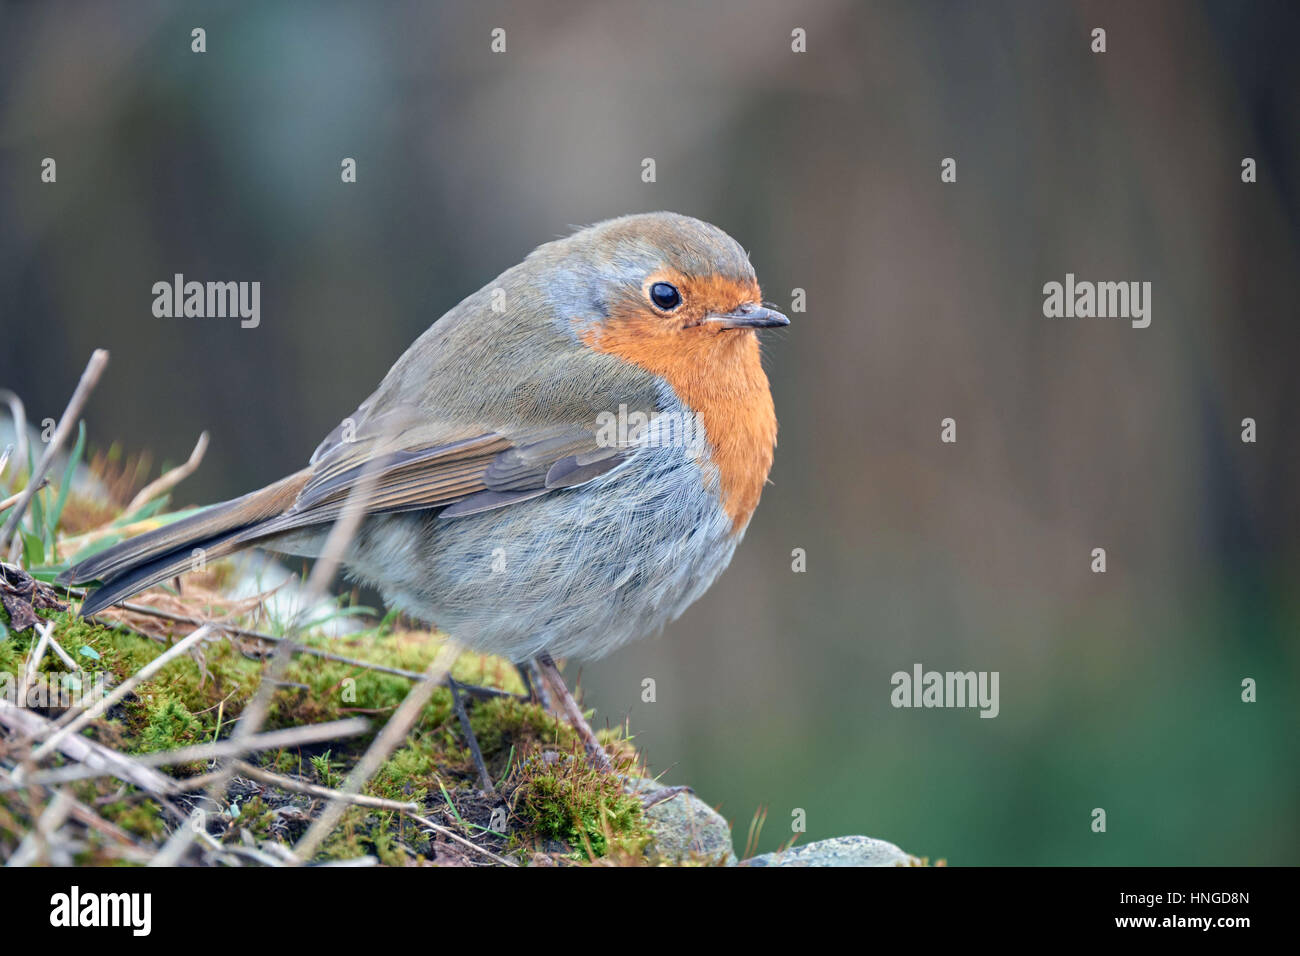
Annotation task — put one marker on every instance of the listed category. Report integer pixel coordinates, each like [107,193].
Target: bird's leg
[534,683]
[595,752]
[536,692]
[488,693]
[458,704]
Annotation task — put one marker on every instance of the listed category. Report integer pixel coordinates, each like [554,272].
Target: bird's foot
[595,752]
[458,690]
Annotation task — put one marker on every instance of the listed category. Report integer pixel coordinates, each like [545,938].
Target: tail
[141,562]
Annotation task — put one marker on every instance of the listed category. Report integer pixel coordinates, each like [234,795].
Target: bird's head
[678,298]
[670,282]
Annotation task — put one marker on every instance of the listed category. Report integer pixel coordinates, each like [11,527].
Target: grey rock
[685,827]
[840,851]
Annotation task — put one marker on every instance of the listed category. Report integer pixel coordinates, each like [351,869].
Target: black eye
[665,296]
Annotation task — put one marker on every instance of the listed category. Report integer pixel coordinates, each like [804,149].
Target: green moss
[325,769]
[13,645]
[484,670]
[387,847]
[408,775]
[141,817]
[281,761]
[169,725]
[256,817]
[12,648]
[362,832]
[566,800]
[506,724]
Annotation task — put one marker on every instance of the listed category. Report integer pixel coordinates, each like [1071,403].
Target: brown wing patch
[464,477]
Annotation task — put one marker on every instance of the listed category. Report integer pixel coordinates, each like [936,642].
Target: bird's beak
[747,317]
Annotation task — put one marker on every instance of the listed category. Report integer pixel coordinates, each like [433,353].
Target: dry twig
[19,415]
[89,379]
[453,835]
[167,482]
[96,760]
[315,790]
[217,750]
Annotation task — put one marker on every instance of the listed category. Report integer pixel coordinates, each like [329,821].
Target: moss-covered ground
[548,804]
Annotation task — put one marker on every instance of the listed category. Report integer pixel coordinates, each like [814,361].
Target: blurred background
[924,301]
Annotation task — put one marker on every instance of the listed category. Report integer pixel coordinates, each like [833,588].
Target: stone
[685,827]
[840,851]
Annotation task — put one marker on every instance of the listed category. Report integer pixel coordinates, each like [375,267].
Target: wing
[462,476]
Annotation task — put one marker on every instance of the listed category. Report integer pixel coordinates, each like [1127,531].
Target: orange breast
[719,376]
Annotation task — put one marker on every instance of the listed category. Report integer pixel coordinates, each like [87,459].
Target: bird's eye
[665,296]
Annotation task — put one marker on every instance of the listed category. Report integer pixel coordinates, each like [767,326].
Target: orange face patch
[717,373]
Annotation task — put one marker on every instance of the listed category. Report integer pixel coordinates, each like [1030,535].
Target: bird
[563,462]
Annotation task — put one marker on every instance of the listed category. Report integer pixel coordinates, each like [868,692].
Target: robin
[563,462]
